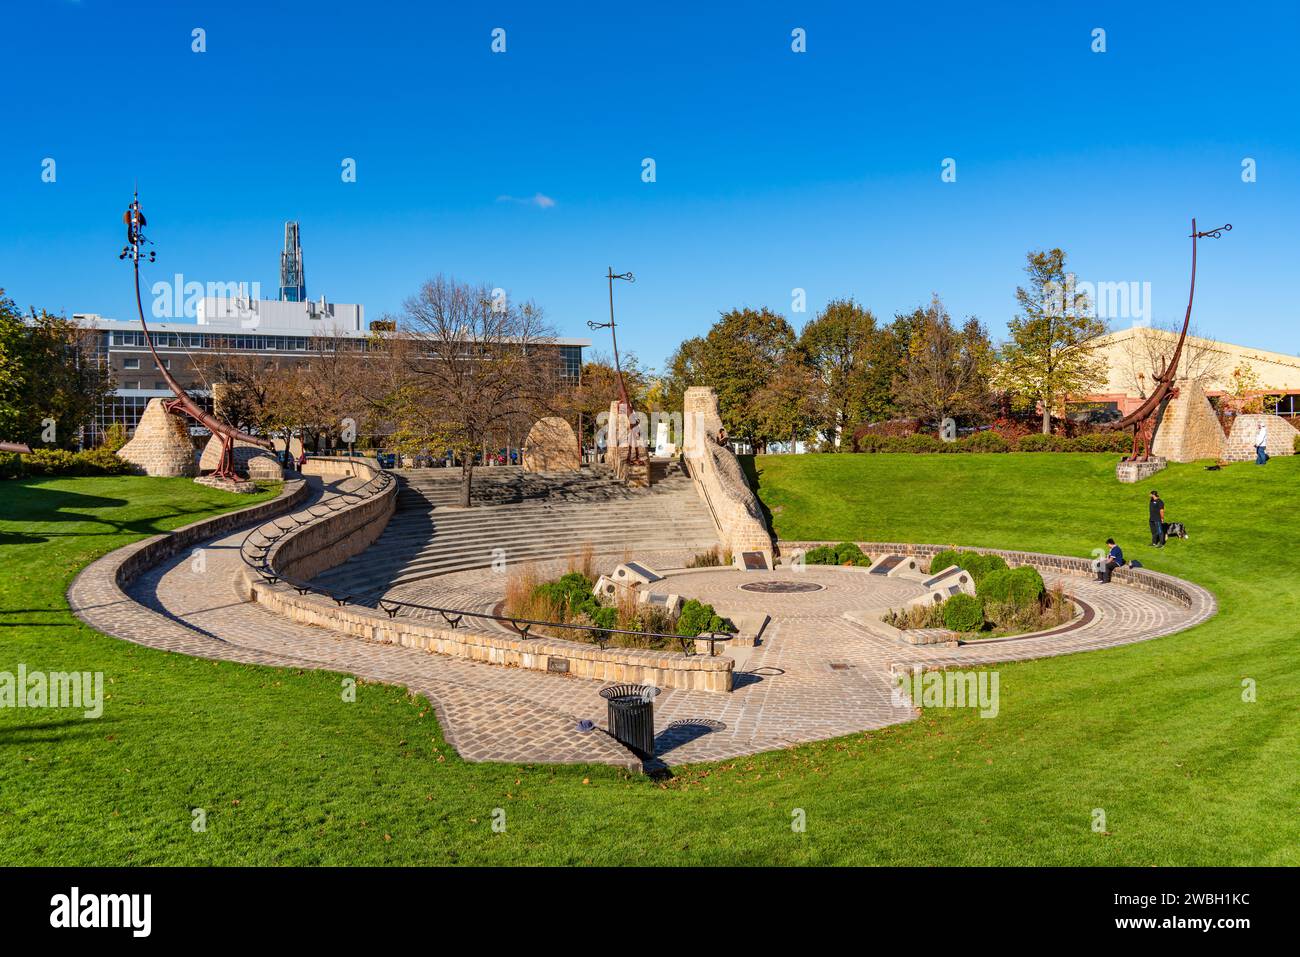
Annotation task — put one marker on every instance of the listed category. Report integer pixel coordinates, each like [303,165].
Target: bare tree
[1148,351]
[469,367]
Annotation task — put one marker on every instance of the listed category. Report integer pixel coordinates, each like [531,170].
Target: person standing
[1261,443]
[1156,519]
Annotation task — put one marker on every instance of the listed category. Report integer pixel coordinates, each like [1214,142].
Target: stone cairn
[1188,429]
[161,445]
[551,446]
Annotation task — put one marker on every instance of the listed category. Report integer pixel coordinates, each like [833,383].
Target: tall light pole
[625,407]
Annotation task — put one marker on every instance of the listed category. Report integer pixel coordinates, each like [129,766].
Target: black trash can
[632,717]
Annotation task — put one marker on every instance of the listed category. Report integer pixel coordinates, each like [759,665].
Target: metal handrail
[521,626]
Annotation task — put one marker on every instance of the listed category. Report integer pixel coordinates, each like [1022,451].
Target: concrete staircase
[520,517]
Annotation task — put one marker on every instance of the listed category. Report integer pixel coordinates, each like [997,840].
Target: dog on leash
[1175,530]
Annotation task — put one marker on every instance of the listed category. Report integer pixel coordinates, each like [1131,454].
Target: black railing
[256,555]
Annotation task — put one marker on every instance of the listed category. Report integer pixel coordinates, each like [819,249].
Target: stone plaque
[754,561]
[559,666]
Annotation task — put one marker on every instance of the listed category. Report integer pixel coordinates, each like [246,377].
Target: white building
[311,318]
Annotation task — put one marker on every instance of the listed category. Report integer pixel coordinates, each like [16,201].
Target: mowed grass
[1156,735]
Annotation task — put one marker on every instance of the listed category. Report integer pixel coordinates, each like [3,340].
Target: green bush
[821,555]
[980,565]
[1101,442]
[98,461]
[571,592]
[847,553]
[915,443]
[697,617]
[1037,442]
[982,442]
[1020,587]
[114,437]
[11,466]
[944,559]
[963,613]
[873,443]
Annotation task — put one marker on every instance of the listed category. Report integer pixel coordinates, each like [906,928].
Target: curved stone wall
[335,536]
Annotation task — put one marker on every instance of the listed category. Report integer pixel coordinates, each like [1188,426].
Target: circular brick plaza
[814,673]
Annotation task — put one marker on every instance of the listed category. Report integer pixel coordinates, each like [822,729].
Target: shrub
[871,443]
[1020,587]
[697,617]
[48,462]
[114,437]
[98,461]
[709,559]
[980,565]
[847,553]
[963,613]
[915,443]
[943,559]
[1038,442]
[568,593]
[821,555]
[11,466]
[1100,442]
[101,461]
[983,442]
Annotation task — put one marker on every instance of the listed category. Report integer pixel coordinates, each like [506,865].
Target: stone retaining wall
[632,665]
[1144,579]
[336,536]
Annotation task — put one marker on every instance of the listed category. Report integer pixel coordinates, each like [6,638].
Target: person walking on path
[1261,444]
[1156,519]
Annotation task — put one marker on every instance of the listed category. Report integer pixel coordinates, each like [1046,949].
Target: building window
[130,363]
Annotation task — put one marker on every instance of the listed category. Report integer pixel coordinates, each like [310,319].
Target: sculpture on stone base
[226,434]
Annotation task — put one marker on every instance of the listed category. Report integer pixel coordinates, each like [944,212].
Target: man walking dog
[1156,519]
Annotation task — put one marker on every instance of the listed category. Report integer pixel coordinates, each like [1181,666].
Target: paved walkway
[815,675]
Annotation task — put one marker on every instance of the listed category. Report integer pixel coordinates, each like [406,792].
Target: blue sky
[775,170]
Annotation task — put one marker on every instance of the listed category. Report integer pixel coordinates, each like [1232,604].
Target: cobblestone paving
[815,674]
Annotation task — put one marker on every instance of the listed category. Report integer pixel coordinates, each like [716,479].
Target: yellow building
[1134,356]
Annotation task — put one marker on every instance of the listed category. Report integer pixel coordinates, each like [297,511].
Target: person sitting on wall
[722,436]
[1113,559]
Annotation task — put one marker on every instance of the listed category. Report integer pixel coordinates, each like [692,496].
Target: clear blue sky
[775,170]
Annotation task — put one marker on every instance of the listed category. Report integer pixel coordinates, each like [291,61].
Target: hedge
[845,553]
[697,618]
[98,461]
[1117,442]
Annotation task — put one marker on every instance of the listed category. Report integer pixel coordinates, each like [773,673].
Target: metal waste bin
[632,717]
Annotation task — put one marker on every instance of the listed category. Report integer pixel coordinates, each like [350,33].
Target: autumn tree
[854,365]
[1052,349]
[945,373]
[50,375]
[739,357]
[469,366]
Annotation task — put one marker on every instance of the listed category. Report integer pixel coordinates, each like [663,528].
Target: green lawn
[1156,734]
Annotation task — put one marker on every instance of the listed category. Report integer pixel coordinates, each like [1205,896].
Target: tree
[1053,347]
[50,374]
[683,372]
[789,406]
[741,353]
[466,369]
[853,364]
[946,370]
[1148,351]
